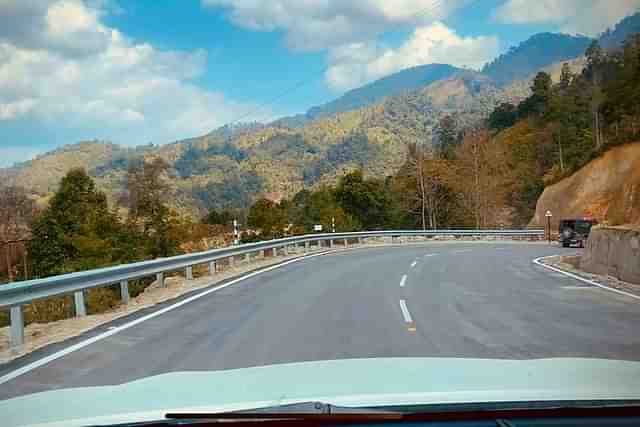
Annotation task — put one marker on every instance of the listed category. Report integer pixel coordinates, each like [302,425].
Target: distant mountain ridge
[394,84]
[538,51]
[613,38]
[366,128]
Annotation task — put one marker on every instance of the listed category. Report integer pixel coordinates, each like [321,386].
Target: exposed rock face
[607,188]
[613,252]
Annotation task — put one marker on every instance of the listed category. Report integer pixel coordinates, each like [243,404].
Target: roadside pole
[236,239]
[549,215]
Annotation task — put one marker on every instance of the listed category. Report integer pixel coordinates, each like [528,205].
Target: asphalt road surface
[479,300]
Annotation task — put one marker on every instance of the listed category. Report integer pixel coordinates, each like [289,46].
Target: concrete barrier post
[124,291]
[17,326]
[78,299]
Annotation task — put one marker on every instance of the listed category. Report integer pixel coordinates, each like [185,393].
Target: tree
[216,217]
[365,200]
[566,76]
[77,231]
[503,116]
[425,188]
[320,207]
[446,137]
[482,168]
[535,105]
[596,59]
[268,217]
[147,191]
[16,213]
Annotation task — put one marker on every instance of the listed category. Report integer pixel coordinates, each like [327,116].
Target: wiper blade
[364,415]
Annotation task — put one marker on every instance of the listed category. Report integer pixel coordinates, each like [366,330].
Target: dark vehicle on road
[575,231]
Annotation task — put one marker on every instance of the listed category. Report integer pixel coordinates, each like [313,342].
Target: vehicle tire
[566,244]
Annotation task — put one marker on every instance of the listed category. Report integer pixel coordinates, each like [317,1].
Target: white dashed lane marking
[403,281]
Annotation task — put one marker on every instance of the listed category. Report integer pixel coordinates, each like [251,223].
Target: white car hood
[350,382]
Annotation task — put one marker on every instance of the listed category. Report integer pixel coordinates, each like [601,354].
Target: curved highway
[479,300]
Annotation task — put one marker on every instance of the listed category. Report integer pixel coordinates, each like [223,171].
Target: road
[475,300]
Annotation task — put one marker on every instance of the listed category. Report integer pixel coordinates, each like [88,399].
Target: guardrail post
[306,247]
[231,261]
[189,272]
[247,257]
[124,291]
[17,326]
[286,250]
[275,252]
[331,243]
[360,240]
[346,243]
[160,279]
[212,268]
[78,298]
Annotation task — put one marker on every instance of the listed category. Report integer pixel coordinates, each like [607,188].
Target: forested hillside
[234,165]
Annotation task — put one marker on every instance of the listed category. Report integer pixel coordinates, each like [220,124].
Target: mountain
[613,39]
[231,166]
[366,128]
[394,84]
[533,54]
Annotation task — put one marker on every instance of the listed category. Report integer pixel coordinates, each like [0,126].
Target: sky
[139,71]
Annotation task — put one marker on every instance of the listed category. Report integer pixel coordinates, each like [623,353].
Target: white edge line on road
[539,262]
[414,263]
[428,255]
[114,330]
[405,311]
[403,280]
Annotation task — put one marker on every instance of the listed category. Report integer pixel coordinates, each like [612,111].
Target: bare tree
[428,198]
[482,171]
[16,213]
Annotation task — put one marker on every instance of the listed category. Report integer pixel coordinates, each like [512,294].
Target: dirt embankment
[607,188]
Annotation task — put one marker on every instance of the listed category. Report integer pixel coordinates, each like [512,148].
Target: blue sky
[134,72]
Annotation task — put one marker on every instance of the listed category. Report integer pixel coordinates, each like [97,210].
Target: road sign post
[549,215]
[236,236]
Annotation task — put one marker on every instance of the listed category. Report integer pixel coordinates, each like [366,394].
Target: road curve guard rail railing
[14,295]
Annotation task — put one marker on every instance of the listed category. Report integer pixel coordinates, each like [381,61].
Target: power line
[435,5]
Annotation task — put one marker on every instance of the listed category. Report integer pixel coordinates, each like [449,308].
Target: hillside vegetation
[234,165]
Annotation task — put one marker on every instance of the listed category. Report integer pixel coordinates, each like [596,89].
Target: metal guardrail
[14,295]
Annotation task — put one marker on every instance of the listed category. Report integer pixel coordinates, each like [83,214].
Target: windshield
[388,203]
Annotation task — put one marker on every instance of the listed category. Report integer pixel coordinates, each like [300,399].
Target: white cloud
[80,74]
[588,17]
[318,24]
[359,63]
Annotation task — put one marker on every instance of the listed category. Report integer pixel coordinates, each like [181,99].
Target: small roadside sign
[317,227]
